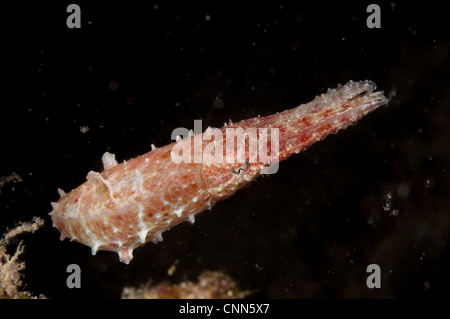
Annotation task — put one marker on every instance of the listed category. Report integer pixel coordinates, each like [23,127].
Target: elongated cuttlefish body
[132,203]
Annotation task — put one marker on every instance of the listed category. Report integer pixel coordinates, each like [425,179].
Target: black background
[138,70]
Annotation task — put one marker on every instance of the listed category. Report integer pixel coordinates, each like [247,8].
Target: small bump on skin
[95,248]
[143,235]
[178,211]
[158,238]
[61,193]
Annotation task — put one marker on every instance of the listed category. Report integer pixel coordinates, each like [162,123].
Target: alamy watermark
[249,146]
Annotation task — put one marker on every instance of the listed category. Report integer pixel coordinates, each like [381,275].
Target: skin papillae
[132,203]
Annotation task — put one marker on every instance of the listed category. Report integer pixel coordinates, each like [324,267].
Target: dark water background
[377,192]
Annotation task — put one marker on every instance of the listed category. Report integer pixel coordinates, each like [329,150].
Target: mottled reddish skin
[136,201]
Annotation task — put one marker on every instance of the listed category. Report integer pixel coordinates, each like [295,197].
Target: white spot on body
[143,227]
[178,211]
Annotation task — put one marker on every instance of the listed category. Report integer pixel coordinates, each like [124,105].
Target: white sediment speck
[84,129]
